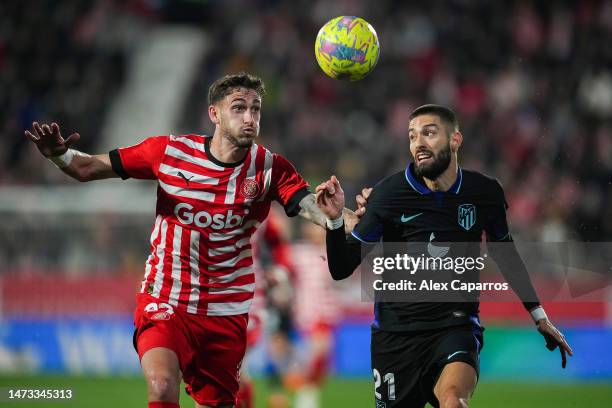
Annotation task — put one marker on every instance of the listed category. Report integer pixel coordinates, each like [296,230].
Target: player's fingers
[330,187]
[335,182]
[360,211]
[563,357]
[72,138]
[320,187]
[361,202]
[46,129]
[323,200]
[31,136]
[366,192]
[565,345]
[318,195]
[549,336]
[38,129]
[55,130]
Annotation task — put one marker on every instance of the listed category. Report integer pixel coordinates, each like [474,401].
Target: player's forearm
[84,167]
[513,269]
[342,258]
[310,211]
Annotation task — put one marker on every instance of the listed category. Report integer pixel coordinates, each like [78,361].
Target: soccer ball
[347,48]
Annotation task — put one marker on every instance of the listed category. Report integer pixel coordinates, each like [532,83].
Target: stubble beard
[439,164]
[240,140]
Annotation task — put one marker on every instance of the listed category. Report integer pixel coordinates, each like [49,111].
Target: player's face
[429,145]
[238,116]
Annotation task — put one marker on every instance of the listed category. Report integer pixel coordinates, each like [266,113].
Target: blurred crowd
[531,82]
[57,62]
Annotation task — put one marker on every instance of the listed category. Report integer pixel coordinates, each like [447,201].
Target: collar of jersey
[422,189]
[213,159]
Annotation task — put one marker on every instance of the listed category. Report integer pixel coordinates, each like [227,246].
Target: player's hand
[330,198]
[49,140]
[362,200]
[554,338]
[350,220]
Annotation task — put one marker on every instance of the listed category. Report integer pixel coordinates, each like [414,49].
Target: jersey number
[154,307]
[389,378]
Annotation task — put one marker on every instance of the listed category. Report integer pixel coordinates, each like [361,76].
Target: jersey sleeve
[140,161]
[289,187]
[370,227]
[504,252]
[496,225]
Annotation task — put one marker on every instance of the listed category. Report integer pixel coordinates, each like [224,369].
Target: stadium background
[531,83]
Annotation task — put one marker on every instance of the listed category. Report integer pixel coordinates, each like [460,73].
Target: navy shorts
[406,365]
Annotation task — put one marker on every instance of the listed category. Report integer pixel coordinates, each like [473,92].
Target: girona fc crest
[249,188]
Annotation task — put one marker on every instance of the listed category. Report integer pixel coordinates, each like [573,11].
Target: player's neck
[224,151]
[445,180]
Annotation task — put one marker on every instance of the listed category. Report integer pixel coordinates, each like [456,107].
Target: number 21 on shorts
[389,378]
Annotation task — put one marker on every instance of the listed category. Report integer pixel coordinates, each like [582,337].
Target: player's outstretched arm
[78,165]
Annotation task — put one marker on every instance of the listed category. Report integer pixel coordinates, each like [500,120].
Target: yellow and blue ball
[347,48]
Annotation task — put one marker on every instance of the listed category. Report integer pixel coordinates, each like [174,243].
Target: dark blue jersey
[402,209]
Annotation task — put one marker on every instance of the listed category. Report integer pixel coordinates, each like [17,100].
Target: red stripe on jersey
[229,297]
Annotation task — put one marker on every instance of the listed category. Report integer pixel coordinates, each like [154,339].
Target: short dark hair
[226,84]
[446,114]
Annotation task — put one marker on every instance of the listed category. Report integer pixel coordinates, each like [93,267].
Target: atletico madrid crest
[467,216]
[249,188]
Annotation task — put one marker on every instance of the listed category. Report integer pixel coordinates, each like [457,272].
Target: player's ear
[456,140]
[213,114]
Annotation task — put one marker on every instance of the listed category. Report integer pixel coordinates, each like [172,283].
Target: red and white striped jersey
[200,258]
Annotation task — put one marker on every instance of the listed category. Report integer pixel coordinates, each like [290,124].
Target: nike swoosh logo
[412,217]
[455,353]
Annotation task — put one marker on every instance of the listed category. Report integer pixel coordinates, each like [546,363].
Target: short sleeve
[289,187]
[140,161]
[370,227]
[497,224]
